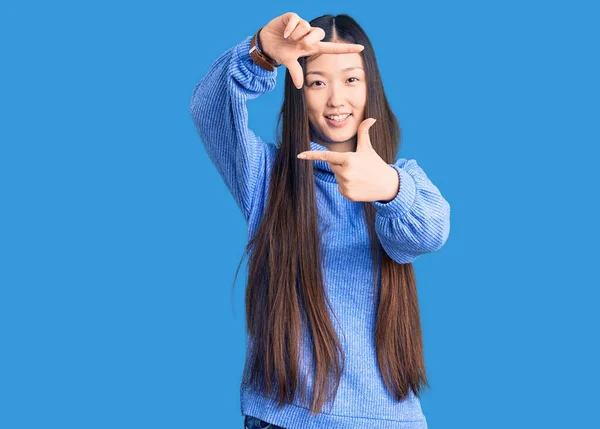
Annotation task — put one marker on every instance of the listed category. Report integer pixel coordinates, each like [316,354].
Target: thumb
[296,73]
[363,140]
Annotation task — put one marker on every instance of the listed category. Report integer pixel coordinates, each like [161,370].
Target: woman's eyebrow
[325,74]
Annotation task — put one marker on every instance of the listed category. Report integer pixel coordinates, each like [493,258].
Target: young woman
[334,336]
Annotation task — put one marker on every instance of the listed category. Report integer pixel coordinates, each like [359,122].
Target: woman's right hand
[289,37]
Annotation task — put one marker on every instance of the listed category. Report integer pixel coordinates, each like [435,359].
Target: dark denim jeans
[256,423]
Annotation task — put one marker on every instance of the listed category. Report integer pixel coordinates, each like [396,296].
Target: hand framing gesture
[289,37]
[362,175]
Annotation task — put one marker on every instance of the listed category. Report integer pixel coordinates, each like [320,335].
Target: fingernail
[301,156]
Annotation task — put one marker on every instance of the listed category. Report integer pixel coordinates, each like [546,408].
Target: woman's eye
[317,81]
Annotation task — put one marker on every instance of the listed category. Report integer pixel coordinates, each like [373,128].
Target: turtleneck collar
[321,168]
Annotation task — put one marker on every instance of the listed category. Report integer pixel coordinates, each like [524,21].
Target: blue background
[119,241]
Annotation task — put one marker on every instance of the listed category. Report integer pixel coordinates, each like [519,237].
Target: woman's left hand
[362,176]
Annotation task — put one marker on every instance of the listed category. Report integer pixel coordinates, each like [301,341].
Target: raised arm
[218,109]
[417,220]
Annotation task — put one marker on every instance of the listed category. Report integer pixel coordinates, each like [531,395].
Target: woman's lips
[334,123]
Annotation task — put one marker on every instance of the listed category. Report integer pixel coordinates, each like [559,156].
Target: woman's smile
[337,124]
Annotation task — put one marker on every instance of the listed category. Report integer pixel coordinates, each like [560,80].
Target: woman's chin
[340,137]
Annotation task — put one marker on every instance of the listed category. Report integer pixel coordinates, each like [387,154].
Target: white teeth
[339,118]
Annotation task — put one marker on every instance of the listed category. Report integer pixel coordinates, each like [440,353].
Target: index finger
[339,48]
[324,155]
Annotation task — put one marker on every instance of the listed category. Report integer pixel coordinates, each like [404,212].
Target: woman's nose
[336,97]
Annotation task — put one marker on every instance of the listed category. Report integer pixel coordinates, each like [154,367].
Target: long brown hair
[285,293]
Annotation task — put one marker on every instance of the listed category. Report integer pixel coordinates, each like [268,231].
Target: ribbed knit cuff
[241,52]
[404,199]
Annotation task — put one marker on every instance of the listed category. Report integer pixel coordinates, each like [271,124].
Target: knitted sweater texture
[415,222]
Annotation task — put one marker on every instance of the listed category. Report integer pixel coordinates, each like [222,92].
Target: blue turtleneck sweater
[415,222]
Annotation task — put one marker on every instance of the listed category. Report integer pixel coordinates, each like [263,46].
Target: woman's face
[335,84]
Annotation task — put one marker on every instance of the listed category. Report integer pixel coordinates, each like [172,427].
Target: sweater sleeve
[417,220]
[218,109]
